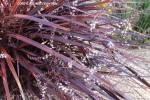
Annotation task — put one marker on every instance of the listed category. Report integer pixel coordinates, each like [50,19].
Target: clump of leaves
[65,51]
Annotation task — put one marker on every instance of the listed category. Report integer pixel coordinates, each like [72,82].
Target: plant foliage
[66,50]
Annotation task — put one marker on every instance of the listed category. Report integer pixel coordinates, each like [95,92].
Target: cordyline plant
[65,50]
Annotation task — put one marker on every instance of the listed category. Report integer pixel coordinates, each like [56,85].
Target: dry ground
[134,91]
